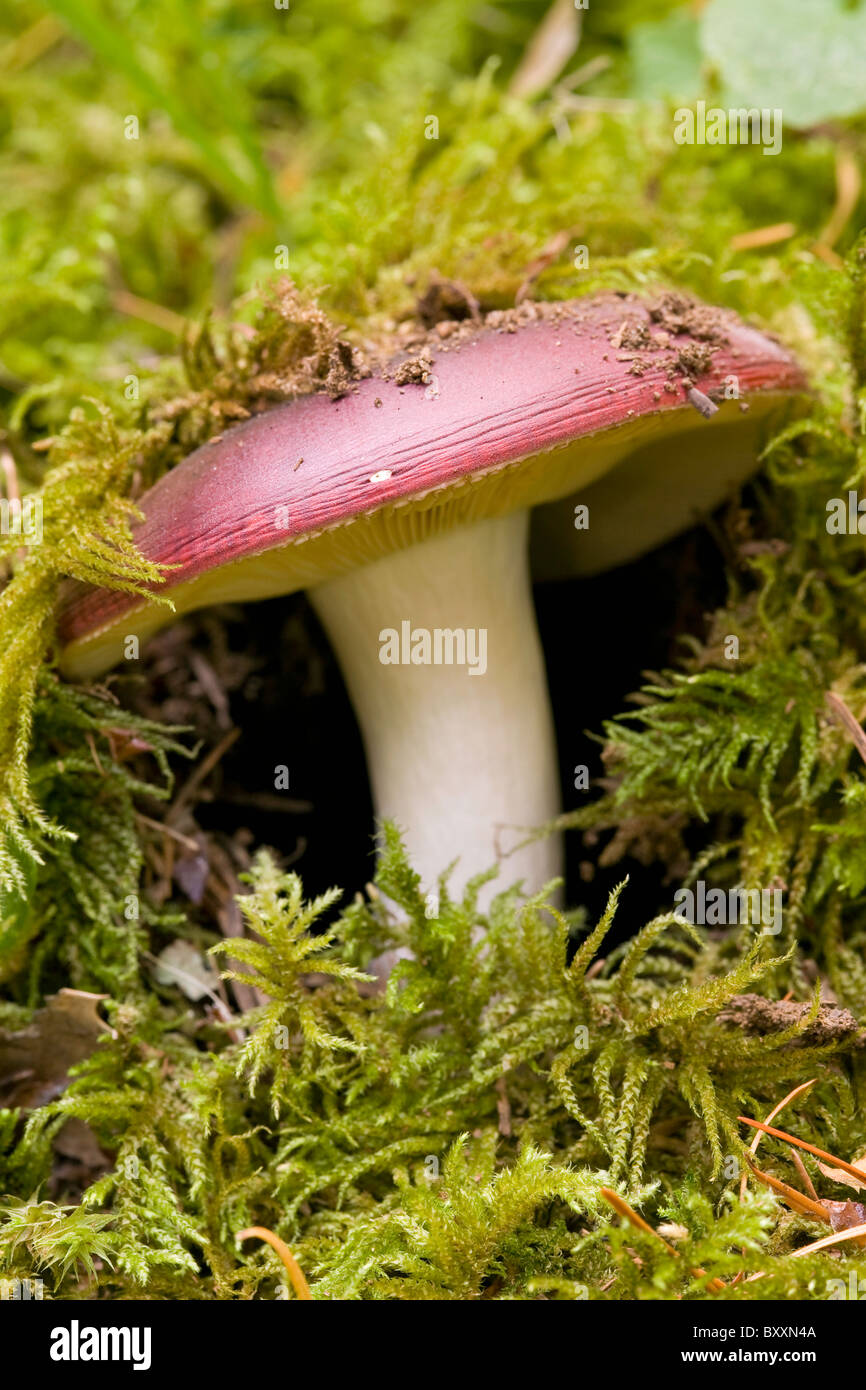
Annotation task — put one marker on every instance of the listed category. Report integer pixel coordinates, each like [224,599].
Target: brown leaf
[845,1215]
[837,1175]
[550,48]
[182,965]
[77,1141]
[191,873]
[35,1061]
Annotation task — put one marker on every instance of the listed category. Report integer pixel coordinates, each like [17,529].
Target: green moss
[445,1139]
[448,1138]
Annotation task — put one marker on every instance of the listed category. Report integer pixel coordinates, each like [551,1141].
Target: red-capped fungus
[408,523]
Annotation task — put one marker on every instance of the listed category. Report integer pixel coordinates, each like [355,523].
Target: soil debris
[343,371]
[694,360]
[445,300]
[758,1017]
[632,333]
[415,371]
[677,313]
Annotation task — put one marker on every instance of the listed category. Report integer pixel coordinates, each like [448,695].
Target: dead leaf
[550,48]
[77,1141]
[844,1216]
[672,1230]
[191,873]
[182,965]
[837,1175]
[35,1061]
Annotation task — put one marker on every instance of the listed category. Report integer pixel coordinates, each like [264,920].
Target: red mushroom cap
[489,419]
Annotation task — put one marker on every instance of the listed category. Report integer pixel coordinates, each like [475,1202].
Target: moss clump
[446,1139]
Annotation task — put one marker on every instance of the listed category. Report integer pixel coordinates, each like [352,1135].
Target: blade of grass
[225,92]
[112,46]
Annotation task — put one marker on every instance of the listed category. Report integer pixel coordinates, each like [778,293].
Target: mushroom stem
[461,756]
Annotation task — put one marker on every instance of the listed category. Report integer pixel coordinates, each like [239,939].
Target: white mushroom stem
[462,759]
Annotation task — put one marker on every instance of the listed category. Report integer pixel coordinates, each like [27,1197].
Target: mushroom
[403,507]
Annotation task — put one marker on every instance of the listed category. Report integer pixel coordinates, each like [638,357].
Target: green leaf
[666,58]
[807,58]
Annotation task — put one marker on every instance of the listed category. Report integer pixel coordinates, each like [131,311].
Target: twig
[550,48]
[204,768]
[804,1205]
[503,1108]
[29,46]
[296,1274]
[853,1233]
[753,1147]
[220,1006]
[848,184]
[545,257]
[583,74]
[810,1148]
[127,303]
[614,105]
[763,236]
[267,801]
[843,716]
[804,1175]
[184,840]
[629,1213]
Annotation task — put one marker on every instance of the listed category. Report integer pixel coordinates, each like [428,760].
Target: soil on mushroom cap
[678,313]
[415,371]
[637,328]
